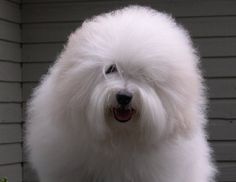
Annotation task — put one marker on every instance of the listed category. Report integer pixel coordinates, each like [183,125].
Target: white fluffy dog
[124,102]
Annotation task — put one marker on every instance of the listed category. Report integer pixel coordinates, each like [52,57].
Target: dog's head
[134,71]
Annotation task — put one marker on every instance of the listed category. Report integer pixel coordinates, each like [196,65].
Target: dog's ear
[184,100]
[185,122]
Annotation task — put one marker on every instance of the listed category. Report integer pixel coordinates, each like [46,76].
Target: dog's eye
[111,69]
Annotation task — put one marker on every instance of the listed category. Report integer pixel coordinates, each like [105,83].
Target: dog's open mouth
[123,114]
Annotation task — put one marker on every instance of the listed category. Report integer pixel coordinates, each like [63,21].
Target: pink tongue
[122,114]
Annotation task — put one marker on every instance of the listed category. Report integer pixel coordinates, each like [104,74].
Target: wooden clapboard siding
[10,11]
[10,161]
[32,72]
[10,31]
[53,12]
[15,1]
[227,171]
[215,47]
[10,133]
[46,25]
[224,150]
[10,67]
[10,113]
[10,154]
[198,27]
[222,130]
[219,67]
[47,32]
[222,88]
[10,51]
[222,109]
[214,26]
[10,92]
[40,52]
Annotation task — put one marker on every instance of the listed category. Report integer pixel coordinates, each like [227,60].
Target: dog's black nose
[123,97]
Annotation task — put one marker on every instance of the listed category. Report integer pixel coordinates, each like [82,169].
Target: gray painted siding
[10,92]
[212,24]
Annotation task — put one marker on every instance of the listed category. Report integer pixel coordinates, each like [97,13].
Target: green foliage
[3,179]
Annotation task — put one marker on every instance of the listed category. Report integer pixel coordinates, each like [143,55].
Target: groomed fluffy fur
[72,135]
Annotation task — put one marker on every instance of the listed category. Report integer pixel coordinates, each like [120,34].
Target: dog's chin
[123,114]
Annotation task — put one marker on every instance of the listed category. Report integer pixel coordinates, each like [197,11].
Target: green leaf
[3,179]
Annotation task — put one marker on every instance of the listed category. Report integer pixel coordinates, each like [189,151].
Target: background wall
[10,91]
[47,23]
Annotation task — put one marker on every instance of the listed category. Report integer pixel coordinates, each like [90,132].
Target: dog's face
[134,77]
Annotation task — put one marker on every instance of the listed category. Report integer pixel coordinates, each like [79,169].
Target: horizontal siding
[10,51]
[219,67]
[10,11]
[224,151]
[10,91]
[13,68]
[10,133]
[222,130]
[222,109]
[32,72]
[46,25]
[214,47]
[10,113]
[47,32]
[210,26]
[10,31]
[227,172]
[27,90]
[198,27]
[40,52]
[15,1]
[222,88]
[53,12]
[10,154]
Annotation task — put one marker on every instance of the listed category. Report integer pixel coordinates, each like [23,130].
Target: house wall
[47,23]
[10,91]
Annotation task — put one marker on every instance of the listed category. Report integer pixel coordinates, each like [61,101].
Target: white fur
[71,134]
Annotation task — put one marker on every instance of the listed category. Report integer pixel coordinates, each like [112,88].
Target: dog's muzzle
[124,111]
